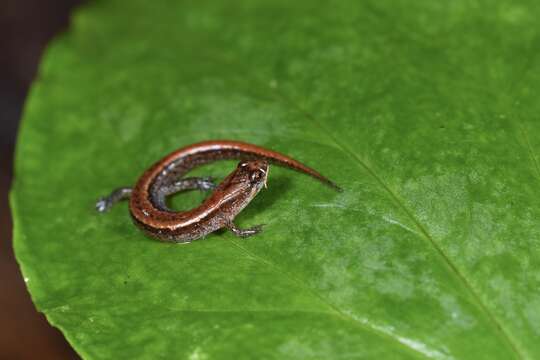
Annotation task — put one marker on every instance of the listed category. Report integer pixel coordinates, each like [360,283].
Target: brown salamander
[147,198]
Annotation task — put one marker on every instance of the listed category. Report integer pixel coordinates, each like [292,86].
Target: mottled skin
[147,199]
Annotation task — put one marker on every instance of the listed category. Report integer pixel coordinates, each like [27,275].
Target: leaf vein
[400,203]
[405,343]
[530,150]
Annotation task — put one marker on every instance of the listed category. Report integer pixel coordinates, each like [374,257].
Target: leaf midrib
[497,325]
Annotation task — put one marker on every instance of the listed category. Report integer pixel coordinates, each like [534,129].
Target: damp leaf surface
[426,113]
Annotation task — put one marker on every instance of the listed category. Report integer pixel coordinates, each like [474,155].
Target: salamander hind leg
[105,203]
[243,233]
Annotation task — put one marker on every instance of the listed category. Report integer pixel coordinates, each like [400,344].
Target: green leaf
[425,112]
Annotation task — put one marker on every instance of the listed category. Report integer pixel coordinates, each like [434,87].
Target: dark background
[26,26]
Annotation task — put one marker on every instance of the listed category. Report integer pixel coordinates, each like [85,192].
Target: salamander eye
[256,176]
[243,164]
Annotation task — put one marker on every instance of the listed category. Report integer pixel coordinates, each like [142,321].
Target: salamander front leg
[191,183]
[186,184]
[105,203]
[244,232]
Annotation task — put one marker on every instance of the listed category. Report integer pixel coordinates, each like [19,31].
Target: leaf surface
[426,113]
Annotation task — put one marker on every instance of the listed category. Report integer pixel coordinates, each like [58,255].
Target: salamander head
[241,186]
[254,172]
